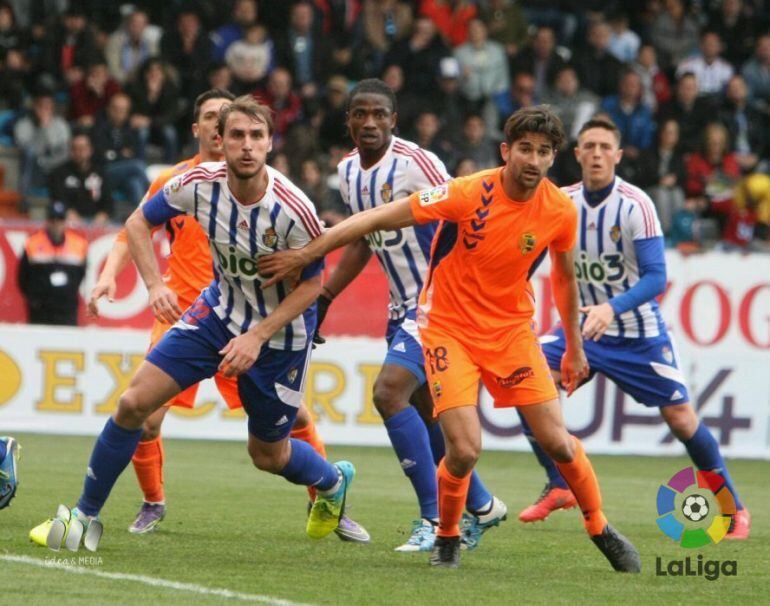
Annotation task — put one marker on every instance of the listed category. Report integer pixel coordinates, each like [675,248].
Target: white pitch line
[155,582]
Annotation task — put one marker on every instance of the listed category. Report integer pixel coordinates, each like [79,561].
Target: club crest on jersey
[516,377]
[431,196]
[615,233]
[527,242]
[173,186]
[292,375]
[437,388]
[270,238]
[386,193]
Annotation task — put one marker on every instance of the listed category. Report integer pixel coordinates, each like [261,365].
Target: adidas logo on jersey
[677,395]
[282,421]
[243,224]
[407,463]
[400,347]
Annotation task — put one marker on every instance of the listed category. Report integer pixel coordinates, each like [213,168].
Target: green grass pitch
[231,527]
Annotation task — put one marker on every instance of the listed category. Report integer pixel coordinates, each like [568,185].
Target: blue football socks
[308,468]
[704,452]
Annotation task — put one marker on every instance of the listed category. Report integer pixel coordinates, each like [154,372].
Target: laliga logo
[695,508]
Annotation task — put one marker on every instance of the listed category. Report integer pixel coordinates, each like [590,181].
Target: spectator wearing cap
[451,105]
[51,269]
[44,139]
[709,68]
[80,185]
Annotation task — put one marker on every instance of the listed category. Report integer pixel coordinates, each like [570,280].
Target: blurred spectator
[407,101]
[91,94]
[748,127]
[427,134]
[465,167]
[79,184]
[450,103]
[419,56]
[656,89]
[624,42]
[451,17]
[736,30]
[690,111]
[756,72]
[251,59]
[219,76]
[709,68]
[713,172]
[598,70]
[632,117]
[477,145]
[12,37]
[505,23]
[662,173]
[687,227]
[674,34]
[331,117]
[483,64]
[280,162]
[303,50]
[384,23]
[312,182]
[43,139]
[540,59]
[155,108]
[72,45]
[283,101]
[244,14]
[572,103]
[555,15]
[521,94]
[131,45]
[116,144]
[188,50]
[14,80]
[51,269]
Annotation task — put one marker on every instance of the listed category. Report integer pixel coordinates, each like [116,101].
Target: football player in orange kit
[475,315]
[189,272]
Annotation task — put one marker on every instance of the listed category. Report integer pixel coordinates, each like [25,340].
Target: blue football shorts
[647,369]
[271,390]
[404,347]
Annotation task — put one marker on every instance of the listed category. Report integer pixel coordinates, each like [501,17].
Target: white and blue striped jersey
[605,258]
[404,254]
[239,234]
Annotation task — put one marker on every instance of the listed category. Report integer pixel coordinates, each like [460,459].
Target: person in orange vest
[51,269]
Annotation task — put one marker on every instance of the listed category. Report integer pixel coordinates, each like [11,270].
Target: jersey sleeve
[567,236]
[643,220]
[304,226]
[425,171]
[173,199]
[342,171]
[446,201]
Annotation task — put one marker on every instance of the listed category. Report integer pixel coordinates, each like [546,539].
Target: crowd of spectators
[91,91]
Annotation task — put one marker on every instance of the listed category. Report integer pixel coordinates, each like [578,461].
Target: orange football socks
[452,494]
[148,464]
[580,476]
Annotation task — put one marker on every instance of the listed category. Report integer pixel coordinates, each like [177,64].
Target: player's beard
[246,175]
[529,181]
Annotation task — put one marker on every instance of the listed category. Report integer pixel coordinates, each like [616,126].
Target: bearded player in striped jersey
[621,269]
[381,169]
[262,336]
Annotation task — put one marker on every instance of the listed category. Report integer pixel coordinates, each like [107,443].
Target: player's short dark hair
[373,86]
[601,122]
[535,119]
[246,104]
[212,93]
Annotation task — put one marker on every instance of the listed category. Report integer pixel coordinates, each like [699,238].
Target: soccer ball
[695,508]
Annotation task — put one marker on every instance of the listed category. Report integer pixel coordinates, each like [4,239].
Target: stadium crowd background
[92,92]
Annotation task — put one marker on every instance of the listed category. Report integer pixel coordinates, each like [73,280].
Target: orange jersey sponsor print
[189,264]
[484,253]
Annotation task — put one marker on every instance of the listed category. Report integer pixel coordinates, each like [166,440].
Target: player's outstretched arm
[117,260]
[241,352]
[574,366]
[163,301]
[389,216]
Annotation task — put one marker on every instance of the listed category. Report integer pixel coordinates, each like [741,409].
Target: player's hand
[280,265]
[164,305]
[598,319]
[323,303]
[105,286]
[240,353]
[574,369]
